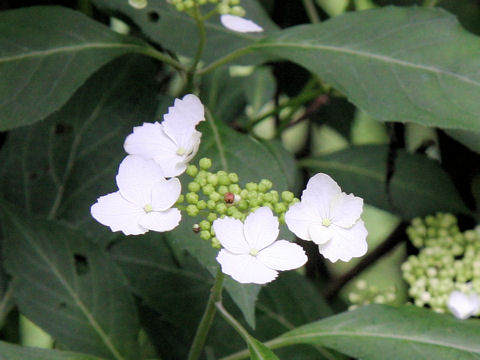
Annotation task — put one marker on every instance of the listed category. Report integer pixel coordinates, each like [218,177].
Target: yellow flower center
[253,252]
[181,151]
[326,222]
[148,208]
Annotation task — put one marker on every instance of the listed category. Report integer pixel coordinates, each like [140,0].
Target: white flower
[174,142]
[462,305]
[239,24]
[330,218]
[250,253]
[144,200]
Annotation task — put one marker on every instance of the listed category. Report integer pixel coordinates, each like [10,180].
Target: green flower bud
[215,196]
[212,217]
[287,196]
[231,210]
[233,177]
[242,205]
[208,189]
[205,225]
[194,186]
[221,208]
[202,204]
[192,210]
[205,163]
[211,204]
[234,188]
[280,208]
[251,186]
[192,198]
[244,193]
[223,180]
[237,11]
[212,179]
[192,170]
[205,235]
[180,199]
[261,188]
[222,190]
[215,243]
[266,183]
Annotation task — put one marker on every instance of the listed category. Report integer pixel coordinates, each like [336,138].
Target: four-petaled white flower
[144,200]
[330,218]
[174,142]
[250,253]
[462,306]
[239,24]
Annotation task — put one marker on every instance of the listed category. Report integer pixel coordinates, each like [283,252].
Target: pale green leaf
[46,59]
[378,332]
[68,286]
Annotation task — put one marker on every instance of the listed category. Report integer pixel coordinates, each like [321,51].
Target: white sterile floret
[239,24]
[144,200]
[330,218]
[250,253]
[172,143]
[462,306]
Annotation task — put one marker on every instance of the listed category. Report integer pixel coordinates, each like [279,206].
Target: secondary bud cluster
[365,294]
[448,260]
[218,194]
[222,6]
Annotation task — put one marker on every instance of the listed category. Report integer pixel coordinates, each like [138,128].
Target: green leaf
[259,89]
[258,351]
[69,287]
[159,18]
[418,187]
[378,332]
[60,166]
[48,57]
[15,352]
[398,64]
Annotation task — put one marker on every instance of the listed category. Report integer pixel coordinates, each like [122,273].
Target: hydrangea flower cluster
[445,275]
[365,294]
[239,220]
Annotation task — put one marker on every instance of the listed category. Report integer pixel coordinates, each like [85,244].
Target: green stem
[207,318]
[201,46]
[233,322]
[149,51]
[311,11]
[222,61]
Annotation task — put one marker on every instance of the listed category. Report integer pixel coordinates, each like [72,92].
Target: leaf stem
[311,11]
[6,304]
[232,56]
[207,318]
[201,46]
[233,322]
[150,51]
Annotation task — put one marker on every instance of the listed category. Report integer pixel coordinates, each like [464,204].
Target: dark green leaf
[15,352]
[48,57]
[259,89]
[470,139]
[378,332]
[59,167]
[66,285]
[407,64]
[418,187]
[159,18]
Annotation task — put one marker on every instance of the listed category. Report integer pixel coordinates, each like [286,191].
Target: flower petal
[462,306]
[180,121]
[346,243]
[165,193]
[171,163]
[161,220]
[345,210]
[320,234]
[148,141]
[119,214]
[282,255]
[321,190]
[299,217]
[261,228]
[239,24]
[136,177]
[245,269]
[229,232]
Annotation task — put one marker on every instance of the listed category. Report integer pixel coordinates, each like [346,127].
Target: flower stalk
[207,318]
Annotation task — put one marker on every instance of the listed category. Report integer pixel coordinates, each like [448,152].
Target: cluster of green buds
[221,6]
[448,260]
[218,194]
[365,294]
